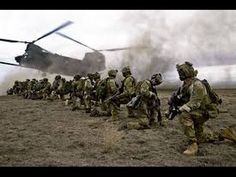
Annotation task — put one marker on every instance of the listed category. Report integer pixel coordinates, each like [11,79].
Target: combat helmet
[156,79]
[112,73]
[77,77]
[45,79]
[58,77]
[90,76]
[186,70]
[97,76]
[126,71]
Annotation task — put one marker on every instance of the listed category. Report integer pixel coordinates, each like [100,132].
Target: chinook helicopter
[36,57]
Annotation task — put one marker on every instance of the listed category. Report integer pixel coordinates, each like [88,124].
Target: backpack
[121,89]
[102,89]
[212,94]
[138,87]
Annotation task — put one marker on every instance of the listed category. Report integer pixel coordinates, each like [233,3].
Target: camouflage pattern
[106,88]
[87,92]
[77,93]
[127,91]
[195,112]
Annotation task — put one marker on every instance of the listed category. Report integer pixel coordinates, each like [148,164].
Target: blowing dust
[205,38]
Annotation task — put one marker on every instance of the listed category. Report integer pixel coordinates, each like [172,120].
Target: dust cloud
[21,74]
[205,38]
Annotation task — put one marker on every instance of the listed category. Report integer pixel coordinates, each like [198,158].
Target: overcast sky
[97,28]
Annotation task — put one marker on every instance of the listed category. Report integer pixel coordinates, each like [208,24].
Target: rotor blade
[9,40]
[53,31]
[116,49]
[12,64]
[67,37]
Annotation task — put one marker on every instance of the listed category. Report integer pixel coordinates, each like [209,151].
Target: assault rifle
[176,100]
[113,97]
[134,102]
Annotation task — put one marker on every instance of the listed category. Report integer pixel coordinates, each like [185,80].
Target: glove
[185,108]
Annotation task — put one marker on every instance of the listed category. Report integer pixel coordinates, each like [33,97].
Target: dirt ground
[45,133]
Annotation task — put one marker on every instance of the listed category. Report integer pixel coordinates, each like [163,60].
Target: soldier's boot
[67,102]
[192,149]
[228,133]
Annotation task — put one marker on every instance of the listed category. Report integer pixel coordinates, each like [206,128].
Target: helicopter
[36,57]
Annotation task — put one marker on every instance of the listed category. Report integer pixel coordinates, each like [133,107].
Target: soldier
[10,91]
[87,92]
[78,92]
[198,108]
[37,93]
[26,88]
[125,93]
[61,90]
[16,88]
[105,89]
[55,86]
[31,88]
[149,101]
[73,95]
[46,90]
[97,80]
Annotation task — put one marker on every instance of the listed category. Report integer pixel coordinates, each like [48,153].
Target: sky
[178,35]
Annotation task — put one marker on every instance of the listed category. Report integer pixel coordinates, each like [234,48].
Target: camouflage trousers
[144,111]
[88,102]
[193,127]
[114,105]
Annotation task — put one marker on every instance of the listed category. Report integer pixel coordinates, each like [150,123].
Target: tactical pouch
[212,110]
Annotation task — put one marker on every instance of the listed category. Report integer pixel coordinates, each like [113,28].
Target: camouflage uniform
[197,110]
[87,92]
[78,92]
[60,91]
[15,87]
[149,102]
[10,91]
[55,86]
[25,85]
[127,91]
[105,89]
[31,88]
[36,93]
[73,95]
[97,80]
[46,90]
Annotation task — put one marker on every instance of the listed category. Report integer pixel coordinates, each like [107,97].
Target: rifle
[175,101]
[173,111]
[113,97]
[134,102]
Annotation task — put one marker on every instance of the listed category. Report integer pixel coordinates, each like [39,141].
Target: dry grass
[111,137]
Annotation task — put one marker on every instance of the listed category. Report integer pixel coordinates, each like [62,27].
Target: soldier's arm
[144,90]
[198,92]
[88,85]
[113,86]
